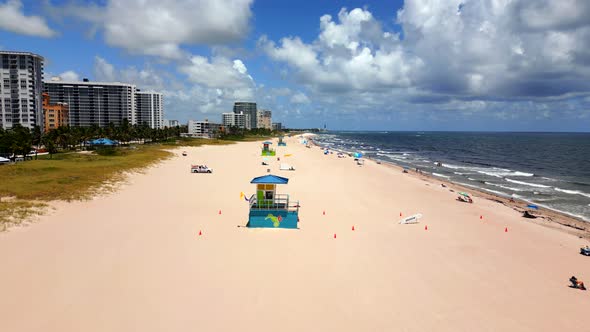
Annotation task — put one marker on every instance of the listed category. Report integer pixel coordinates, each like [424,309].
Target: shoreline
[556,219]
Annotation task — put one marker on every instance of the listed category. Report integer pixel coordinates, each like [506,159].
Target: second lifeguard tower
[281,142]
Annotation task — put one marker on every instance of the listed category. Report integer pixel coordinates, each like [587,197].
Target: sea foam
[572,192]
[528,183]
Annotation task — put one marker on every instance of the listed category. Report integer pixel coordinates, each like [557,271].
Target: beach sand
[133,260]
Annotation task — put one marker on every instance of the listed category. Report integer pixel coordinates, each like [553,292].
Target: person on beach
[577,283]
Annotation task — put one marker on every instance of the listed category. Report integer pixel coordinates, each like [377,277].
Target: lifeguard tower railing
[279,202]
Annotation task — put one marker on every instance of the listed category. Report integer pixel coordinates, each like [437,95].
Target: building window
[23,84]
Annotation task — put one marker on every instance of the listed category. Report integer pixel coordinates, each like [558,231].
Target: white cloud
[485,49]
[104,71]
[161,27]
[70,76]
[219,72]
[351,54]
[12,18]
[300,98]
[239,66]
[145,79]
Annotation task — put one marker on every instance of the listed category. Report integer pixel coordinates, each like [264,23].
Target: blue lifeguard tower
[281,143]
[266,150]
[269,209]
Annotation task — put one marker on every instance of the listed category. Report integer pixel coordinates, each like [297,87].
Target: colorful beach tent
[270,179]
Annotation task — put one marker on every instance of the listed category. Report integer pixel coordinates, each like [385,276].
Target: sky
[487,65]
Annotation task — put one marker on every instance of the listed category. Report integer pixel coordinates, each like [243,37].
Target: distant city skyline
[355,65]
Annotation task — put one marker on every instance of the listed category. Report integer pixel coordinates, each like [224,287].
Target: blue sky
[355,65]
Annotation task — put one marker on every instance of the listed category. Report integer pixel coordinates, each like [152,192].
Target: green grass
[70,176]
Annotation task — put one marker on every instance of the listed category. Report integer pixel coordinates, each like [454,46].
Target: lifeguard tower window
[268,195]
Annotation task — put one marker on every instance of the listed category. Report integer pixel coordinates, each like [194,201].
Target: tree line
[20,140]
[237,133]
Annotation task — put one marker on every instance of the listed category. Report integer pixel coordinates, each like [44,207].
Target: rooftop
[22,53]
[270,179]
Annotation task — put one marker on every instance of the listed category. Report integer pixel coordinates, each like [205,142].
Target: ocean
[551,170]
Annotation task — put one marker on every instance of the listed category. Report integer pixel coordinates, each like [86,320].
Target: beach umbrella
[357,155]
[464,194]
[532,207]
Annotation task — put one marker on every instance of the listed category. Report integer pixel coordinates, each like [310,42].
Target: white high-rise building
[94,103]
[21,85]
[204,129]
[149,109]
[249,109]
[171,123]
[240,120]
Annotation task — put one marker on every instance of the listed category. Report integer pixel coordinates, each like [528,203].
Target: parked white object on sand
[413,219]
[286,167]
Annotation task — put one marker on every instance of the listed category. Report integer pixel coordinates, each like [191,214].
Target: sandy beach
[133,260]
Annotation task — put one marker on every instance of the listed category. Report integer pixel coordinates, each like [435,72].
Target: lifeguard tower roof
[270,179]
[267,142]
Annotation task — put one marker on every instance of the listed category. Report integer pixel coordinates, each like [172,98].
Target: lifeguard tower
[266,150]
[281,143]
[269,209]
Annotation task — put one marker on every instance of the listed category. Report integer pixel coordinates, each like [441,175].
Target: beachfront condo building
[249,109]
[264,119]
[277,126]
[203,129]
[54,115]
[94,103]
[148,107]
[171,123]
[239,120]
[21,84]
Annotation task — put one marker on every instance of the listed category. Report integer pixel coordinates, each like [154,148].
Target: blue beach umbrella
[532,206]
[357,155]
